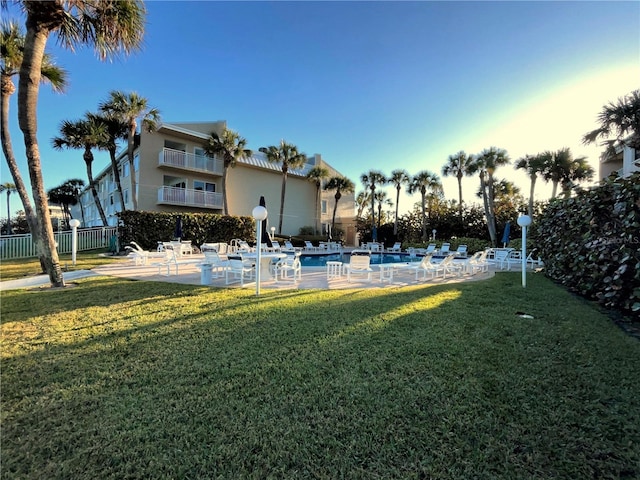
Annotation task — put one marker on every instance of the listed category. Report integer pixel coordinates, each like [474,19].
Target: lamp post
[524,221]
[273,232]
[260,214]
[74,223]
[433,237]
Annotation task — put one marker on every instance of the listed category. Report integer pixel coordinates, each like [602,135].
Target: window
[125,169]
[125,196]
[136,162]
[204,186]
[324,207]
[200,159]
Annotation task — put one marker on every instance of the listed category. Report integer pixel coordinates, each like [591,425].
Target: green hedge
[149,228]
[591,243]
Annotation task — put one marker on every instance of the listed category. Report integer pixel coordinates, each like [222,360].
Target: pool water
[376,259]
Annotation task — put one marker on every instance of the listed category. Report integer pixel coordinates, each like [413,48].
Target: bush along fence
[149,228]
[591,243]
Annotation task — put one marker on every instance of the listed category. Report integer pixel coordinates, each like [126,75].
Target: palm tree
[128,108]
[74,186]
[316,175]
[423,182]
[85,134]
[111,28]
[579,171]
[370,180]
[116,130]
[340,185]
[9,188]
[458,165]
[381,198]
[362,199]
[287,155]
[12,48]
[485,165]
[398,179]
[620,120]
[533,165]
[231,147]
[560,168]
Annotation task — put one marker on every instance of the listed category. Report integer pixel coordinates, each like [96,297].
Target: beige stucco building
[174,175]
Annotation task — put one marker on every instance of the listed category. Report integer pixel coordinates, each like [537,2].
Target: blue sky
[369,85]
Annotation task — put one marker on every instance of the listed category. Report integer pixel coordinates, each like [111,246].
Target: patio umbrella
[265,225]
[178,231]
[505,235]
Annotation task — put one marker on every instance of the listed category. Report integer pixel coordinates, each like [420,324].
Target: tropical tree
[63,197]
[9,188]
[423,182]
[620,120]
[362,199]
[485,165]
[289,158]
[111,28]
[381,198]
[533,165]
[316,175]
[340,185]
[399,178]
[128,108]
[116,130]
[370,180]
[12,48]
[232,148]
[85,134]
[579,171]
[560,168]
[458,165]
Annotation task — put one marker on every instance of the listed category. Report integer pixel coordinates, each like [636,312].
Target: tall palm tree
[423,182]
[370,180]
[232,148]
[381,198]
[85,134]
[9,188]
[316,175]
[116,130]
[560,168]
[74,186]
[533,165]
[399,178]
[289,158]
[129,108]
[485,165]
[111,28]
[579,171]
[620,120]
[458,165]
[12,48]
[340,185]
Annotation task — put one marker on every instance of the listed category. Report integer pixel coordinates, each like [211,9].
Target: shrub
[591,243]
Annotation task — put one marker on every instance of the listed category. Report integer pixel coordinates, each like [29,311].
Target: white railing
[188,197]
[190,161]
[22,246]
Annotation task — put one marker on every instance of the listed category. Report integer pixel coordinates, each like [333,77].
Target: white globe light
[524,220]
[259,213]
[74,223]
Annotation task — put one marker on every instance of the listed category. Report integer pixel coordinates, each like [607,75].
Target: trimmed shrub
[591,243]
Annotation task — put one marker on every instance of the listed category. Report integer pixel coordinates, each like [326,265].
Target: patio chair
[238,269]
[310,246]
[534,260]
[218,264]
[291,263]
[444,249]
[477,262]
[140,256]
[396,248]
[461,251]
[275,246]
[424,266]
[359,264]
[288,246]
[431,248]
[450,267]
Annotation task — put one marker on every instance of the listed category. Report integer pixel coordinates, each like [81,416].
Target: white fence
[21,246]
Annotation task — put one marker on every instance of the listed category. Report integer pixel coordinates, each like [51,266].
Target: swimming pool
[376,259]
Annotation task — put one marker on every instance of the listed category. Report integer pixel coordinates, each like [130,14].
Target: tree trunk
[317,228]
[337,196]
[88,159]
[282,192]
[531,190]
[460,195]
[395,223]
[487,214]
[373,208]
[28,88]
[225,204]
[424,217]
[554,190]
[132,170]
[116,175]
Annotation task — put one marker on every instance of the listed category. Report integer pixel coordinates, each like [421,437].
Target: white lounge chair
[289,264]
[477,262]
[431,248]
[359,265]
[450,267]
[310,246]
[397,248]
[424,266]
[238,269]
[218,264]
[140,256]
[444,249]
[461,251]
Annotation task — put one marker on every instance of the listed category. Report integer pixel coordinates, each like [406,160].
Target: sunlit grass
[124,379]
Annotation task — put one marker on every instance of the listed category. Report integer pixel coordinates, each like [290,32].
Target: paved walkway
[312,277]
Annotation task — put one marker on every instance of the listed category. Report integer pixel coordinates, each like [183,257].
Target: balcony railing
[189,161]
[190,198]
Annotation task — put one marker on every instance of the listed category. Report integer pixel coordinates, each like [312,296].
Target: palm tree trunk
[282,193]
[132,170]
[88,159]
[116,175]
[460,195]
[317,228]
[531,190]
[8,213]
[487,213]
[554,190]
[337,196]
[424,217]
[373,207]
[395,223]
[28,88]
[225,204]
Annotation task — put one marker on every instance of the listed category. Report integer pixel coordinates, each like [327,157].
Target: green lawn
[121,379]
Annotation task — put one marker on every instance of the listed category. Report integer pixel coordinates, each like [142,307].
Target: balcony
[189,198]
[188,161]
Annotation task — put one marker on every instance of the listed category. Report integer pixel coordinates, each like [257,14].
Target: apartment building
[624,162]
[174,175]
